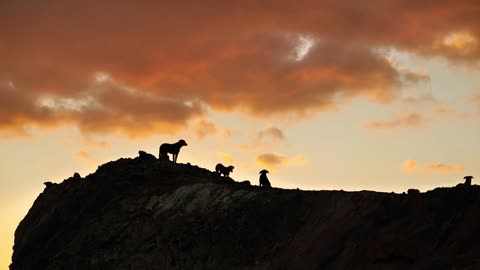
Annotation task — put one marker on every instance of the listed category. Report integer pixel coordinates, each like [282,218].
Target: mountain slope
[144,213]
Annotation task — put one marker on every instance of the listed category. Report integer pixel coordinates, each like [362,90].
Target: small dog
[171,148]
[468,180]
[220,169]
[264,179]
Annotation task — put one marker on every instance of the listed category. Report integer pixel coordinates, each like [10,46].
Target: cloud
[251,147]
[275,160]
[457,44]
[414,77]
[226,157]
[426,98]
[173,59]
[204,128]
[96,143]
[475,100]
[15,134]
[412,165]
[84,156]
[272,132]
[443,168]
[262,138]
[107,107]
[399,121]
[443,110]
[409,165]
[271,160]
[435,106]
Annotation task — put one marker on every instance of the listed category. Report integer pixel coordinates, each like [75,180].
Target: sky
[352,95]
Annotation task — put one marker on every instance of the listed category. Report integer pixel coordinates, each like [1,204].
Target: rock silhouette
[263,179]
[413,191]
[245,183]
[171,148]
[48,184]
[142,155]
[143,213]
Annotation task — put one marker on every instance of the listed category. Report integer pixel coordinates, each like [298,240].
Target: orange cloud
[203,128]
[271,160]
[443,110]
[424,98]
[475,100]
[226,157]
[275,160]
[457,44]
[400,121]
[84,156]
[173,59]
[410,165]
[444,168]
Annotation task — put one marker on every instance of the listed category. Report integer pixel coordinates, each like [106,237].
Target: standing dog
[171,148]
[220,169]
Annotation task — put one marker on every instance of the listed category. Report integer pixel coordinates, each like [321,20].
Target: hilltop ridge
[145,213]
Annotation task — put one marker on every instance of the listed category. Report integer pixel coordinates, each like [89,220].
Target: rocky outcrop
[146,213]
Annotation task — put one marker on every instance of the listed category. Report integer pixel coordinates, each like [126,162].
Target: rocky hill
[144,213]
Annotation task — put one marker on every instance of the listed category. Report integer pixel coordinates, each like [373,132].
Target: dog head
[263,171]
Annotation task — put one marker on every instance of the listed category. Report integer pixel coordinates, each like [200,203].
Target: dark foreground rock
[145,214]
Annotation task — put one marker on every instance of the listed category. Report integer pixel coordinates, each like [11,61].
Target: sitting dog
[468,180]
[171,148]
[264,179]
[220,169]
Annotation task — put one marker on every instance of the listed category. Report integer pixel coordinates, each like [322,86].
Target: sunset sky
[325,94]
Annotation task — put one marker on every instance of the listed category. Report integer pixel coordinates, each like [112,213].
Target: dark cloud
[230,56]
[106,107]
